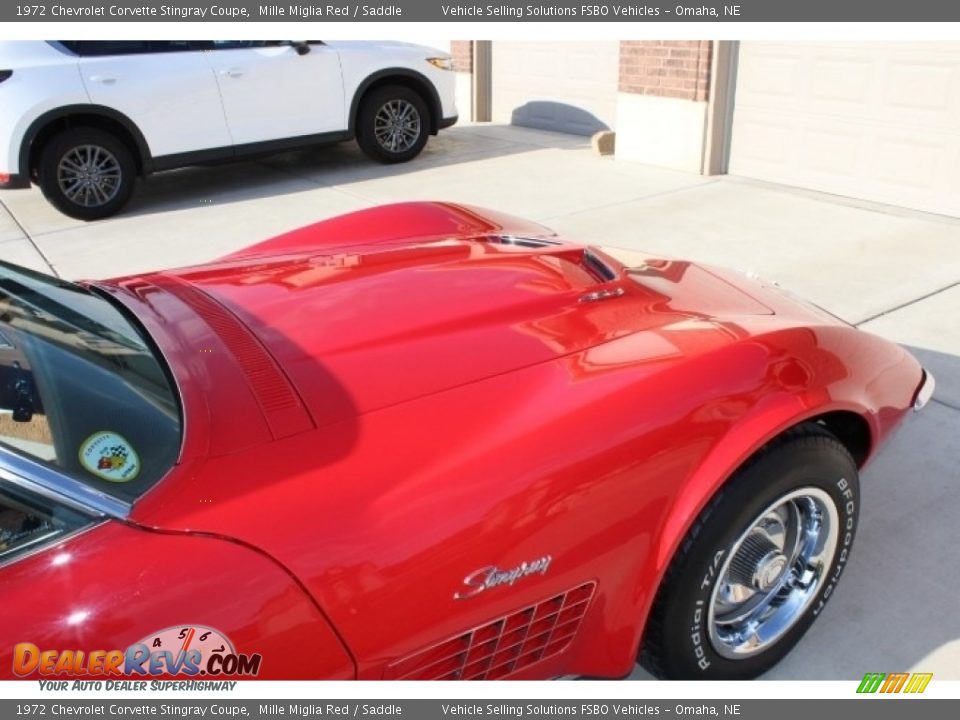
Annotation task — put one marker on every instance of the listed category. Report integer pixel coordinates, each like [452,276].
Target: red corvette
[427,441]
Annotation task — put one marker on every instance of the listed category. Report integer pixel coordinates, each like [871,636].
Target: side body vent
[279,401]
[502,647]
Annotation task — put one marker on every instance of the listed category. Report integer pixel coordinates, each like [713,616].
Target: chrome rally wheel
[772,573]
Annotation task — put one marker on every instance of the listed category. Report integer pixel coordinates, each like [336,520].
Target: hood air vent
[519,241]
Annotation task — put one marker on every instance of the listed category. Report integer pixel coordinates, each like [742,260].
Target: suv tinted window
[244,44]
[96,48]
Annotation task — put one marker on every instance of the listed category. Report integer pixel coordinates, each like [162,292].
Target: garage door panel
[878,121]
[767,74]
[842,81]
[565,87]
[763,141]
[924,87]
[953,174]
[833,152]
[904,162]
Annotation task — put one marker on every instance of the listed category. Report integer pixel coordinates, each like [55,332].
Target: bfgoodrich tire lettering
[759,563]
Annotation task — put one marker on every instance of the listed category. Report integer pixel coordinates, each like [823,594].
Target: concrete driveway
[892,272]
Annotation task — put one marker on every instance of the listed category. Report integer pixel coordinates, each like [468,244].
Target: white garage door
[878,121]
[562,86]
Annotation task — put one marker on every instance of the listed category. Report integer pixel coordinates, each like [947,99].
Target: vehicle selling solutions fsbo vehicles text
[592,10]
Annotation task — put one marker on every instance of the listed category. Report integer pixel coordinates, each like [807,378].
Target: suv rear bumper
[10,181]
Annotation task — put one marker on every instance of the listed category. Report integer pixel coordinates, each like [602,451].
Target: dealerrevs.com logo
[186,650]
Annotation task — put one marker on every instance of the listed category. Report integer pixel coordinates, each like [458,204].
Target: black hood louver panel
[278,399]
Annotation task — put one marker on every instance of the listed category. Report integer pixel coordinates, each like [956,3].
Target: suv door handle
[232,72]
[105,79]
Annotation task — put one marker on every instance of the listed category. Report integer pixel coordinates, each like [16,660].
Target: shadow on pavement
[568,118]
[335,165]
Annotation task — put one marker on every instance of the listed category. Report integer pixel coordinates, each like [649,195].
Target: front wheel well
[812,476]
[848,428]
[91,120]
[851,429]
[417,84]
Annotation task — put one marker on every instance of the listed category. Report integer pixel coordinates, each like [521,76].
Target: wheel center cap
[769,570]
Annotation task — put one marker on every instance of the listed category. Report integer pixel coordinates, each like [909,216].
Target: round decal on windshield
[110,457]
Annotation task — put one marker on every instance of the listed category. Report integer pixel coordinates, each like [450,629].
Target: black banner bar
[226,709]
[466,10]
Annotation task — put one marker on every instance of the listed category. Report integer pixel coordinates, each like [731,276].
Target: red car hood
[372,326]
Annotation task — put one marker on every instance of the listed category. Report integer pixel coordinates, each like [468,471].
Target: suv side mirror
[301,47]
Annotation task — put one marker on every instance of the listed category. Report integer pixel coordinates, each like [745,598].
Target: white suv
[82,119]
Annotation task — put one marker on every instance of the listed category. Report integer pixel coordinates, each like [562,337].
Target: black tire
[86,197]
[376,109]
[678,642]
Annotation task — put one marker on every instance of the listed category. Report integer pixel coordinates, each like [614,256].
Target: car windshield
[81,388]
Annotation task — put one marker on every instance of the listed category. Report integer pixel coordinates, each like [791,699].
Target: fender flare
[67,111]
[432,99]
[730,454]
[764,423]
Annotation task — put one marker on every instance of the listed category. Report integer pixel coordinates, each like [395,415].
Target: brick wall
[676,69]
[462,51]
